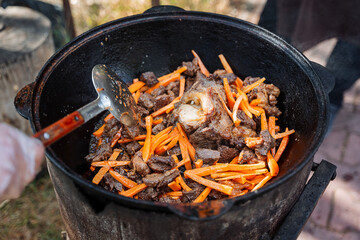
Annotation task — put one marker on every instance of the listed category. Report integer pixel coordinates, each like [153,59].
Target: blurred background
[35,215]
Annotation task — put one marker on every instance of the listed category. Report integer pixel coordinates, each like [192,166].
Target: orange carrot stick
[136,86]
[110,163]
[174,194]
[229,96]
[203,195]
[190,147]
[116,138]
[134,190]
[115,154]
[157,142]
[239,83]
[252,142]
[174,186]
[199,163]
[201,64]
[175,158]
[207,170]
[281,148]
[264,124]
[122,179]
[165,108]
[136,96]
[108,117]
[225,64]
[180,70]
[182,86]
[184,153]
[262,182]
[137,138]
[235,109]
[165,82]
[147,145]
[242,167]
[273,166]
[250,87]
[182,183]
[173,142]
[158,121]
[224,104]
[211,184]
[284,134]
[100,131]
[100,174]
[255,102]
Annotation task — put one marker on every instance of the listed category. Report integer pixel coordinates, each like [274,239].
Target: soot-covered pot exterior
[159,42]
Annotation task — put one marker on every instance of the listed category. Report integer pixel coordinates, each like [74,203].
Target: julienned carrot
[147,145]
[163,109]
[262,182]
[250,87]
[272,164]
[223,174]
[137,138]
[184,153]
[161,150]
[238,82]
[166,141]
[271,128]
[224,104]
[242,167]
[281,148]
[108,117]
[136,86]
[245,109]
[136,96]
[100,174]
[284,134]
[176,159]
[165,82]
[201,64]
[182,86]
[225,64]
[158,121]
[173,142]
[174,186]
[211,184]
[92,168]
[243,175]
[180,70]
[110,163]
[199,163]
[134,190]
[190,147]
[115,154]
[182,183]
[235,109]
[255,102]
[252,142]
[229,96]
[116,138]
[235,160]
[203,195]
[264,124]
[135,80]
[122,179]
[100,131]
[206,170]
[161,133]
[156,143]
[254,111]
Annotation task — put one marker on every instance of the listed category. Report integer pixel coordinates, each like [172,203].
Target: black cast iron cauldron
[159,41]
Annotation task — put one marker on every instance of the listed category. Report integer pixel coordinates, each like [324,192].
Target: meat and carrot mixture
[200,136]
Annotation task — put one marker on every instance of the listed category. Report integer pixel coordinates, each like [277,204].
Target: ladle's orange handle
[60,128]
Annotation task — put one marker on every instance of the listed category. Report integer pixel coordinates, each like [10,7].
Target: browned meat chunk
[191,68]
[149,78]
[139,165]
[102,153]
[111,184]
[227,153]
[248,156]
[246,121]
[167,199]
[238,134]
[158,91]
[146,100]
[160,179]
[173,87]
[131,131]
[205,138]
[149,194]
[157,128]
[208,156]
[160,163]
[133,147]
[268,143]
[161,101]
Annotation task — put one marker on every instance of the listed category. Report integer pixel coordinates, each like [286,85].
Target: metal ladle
[113,95]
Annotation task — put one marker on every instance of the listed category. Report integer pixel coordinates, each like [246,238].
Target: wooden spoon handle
[60,128]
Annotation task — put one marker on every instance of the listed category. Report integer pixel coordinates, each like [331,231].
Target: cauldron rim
[191,15]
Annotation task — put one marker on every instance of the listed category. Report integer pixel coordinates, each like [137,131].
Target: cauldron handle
[163,8]
[301,211]
[22,100]
[202,211]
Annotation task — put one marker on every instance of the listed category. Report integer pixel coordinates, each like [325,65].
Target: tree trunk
[25,45]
